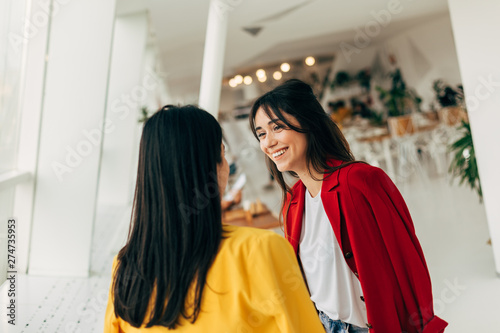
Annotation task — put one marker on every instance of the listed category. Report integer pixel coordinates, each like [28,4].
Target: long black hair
[324,138]
[176,227]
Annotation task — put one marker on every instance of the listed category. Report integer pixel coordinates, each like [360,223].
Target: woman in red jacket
[346,220]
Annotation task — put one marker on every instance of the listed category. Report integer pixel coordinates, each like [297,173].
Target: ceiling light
[253,31]
[262,78]
[285,67]
[238,79]
[277,75]
[310,61]
[260,73]
[232,83]
[247,80]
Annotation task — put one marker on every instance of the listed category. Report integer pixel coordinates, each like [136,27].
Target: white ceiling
[290,29]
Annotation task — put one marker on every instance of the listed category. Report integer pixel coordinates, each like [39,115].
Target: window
[12,19]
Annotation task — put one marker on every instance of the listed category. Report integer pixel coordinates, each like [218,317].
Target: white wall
[128,90]
[74,101]
[476,26]
[424,53]
[227,99]
[157,97]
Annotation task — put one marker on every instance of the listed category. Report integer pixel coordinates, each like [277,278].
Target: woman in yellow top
[181,268]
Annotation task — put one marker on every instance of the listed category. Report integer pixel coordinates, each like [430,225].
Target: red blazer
[374,229]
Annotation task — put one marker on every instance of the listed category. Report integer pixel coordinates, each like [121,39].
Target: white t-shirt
[334,288]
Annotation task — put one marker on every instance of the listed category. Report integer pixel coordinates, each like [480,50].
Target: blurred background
[414,86]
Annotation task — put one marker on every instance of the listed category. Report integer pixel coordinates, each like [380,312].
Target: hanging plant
[377,119]
[341,79]
[446,95]
[464,164]
[364,77]
[399,99]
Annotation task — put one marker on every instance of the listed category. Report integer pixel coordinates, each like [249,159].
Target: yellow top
[254,285]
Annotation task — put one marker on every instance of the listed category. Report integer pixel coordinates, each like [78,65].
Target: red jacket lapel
[293,219]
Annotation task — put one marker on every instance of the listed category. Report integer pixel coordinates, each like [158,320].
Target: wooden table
[262,220]
[384,139]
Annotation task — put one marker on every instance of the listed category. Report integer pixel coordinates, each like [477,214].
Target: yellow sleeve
[111,323]
[279,290]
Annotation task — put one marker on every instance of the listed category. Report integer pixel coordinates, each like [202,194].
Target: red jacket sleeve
[391,263]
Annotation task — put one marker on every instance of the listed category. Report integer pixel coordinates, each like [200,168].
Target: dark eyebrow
[269,123]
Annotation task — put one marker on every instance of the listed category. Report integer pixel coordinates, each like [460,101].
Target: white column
[157,96]
[475,27]
[128,91]
[35,36]
[154,101]
[213,57]
[80,37]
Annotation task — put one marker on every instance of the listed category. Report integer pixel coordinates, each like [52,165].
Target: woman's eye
[259,135]
[277,127]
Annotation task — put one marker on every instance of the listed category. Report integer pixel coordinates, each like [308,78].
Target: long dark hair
[324,138]
[176,227]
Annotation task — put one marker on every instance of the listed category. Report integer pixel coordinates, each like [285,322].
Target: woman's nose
[270,141]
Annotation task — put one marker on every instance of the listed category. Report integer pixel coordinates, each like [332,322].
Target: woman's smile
[278,154]
[284,146]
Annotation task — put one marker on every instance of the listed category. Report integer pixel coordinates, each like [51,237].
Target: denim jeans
[338,326]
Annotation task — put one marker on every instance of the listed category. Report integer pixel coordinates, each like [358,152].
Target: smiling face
[284,146]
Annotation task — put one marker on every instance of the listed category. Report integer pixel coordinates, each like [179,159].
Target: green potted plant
[364,78]
[399,100]
[451,100]
[446,95]
[342,79]
[464,164]
[377,119]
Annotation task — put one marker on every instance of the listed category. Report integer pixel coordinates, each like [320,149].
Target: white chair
[403,131]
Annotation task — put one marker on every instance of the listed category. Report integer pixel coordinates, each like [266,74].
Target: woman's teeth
[279,153]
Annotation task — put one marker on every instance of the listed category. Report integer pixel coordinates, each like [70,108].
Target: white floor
[449,220]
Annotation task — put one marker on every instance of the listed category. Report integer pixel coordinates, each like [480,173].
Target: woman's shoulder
[115,263]
[365,177]
[361,170]
[246,238]
[245,234]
